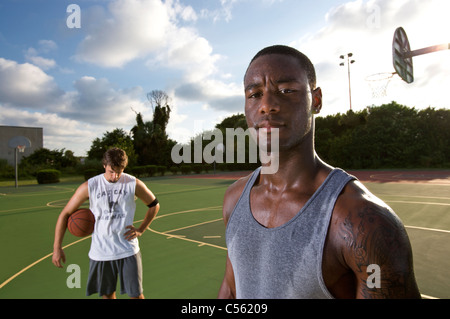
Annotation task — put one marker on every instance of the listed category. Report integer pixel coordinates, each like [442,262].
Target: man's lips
[268,125]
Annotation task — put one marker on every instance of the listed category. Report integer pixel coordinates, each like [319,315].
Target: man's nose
[269,103]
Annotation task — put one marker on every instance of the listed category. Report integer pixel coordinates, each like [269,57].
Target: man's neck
[296,169]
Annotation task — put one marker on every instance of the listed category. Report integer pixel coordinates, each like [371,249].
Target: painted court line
[420,203]
[38,261]
[186,227]
[84,238]
[200,243]
[412,196]
[429,229]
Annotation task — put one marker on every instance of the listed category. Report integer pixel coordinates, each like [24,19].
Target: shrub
[186,169]
[197,168]
[48,176]
[138,171]
[91,172]
[150,170]
[161,170]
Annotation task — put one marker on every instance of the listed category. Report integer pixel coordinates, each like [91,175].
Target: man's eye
[254,95]
[286,91]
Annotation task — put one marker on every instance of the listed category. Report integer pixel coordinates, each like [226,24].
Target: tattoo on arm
[374,235]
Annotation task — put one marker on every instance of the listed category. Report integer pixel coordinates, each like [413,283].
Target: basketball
[81,223]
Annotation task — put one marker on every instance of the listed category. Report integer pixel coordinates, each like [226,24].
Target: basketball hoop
[378,83]
[19,143]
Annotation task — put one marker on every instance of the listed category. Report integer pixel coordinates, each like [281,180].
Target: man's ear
[317,100]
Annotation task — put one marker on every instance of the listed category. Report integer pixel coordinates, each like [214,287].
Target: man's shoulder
[365,231]
[232,195]
[361,213]
[356,197]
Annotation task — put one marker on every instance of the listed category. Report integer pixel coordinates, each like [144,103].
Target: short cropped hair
[303,60]
[116,158]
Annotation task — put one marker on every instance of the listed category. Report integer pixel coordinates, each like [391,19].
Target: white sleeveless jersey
[113,206]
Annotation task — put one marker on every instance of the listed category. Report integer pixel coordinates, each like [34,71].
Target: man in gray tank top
[308,230]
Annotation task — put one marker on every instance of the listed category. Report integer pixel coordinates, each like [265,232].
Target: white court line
[430,229]
[428,297]
[181,238]
[203,223]
[84,238]
[421,203]
[412,196]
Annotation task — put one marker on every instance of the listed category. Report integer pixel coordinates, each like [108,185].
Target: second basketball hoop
[378,83]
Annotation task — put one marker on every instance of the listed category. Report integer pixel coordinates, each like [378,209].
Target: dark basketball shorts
[103,276]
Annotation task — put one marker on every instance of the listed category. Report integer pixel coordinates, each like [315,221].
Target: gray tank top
[286,261]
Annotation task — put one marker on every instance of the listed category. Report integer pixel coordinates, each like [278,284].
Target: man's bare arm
[78,198]
[228,288]
[147,196]
[377,249]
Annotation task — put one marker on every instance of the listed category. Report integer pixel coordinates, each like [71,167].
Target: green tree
[386,136]
[150,139]
[117,138]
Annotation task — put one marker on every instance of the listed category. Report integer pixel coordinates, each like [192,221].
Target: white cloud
[150,29]
[188,52]
[97,101]
[31,55]
[26,85]
[131,29]
[215,94]
[186,13]
[93,100]
[46,46]
[57,130]
[366,29]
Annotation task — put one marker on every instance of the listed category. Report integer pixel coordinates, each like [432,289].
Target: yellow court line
[84,238]
[201,243]
[38,261]
[19,209]
[62,191]
[203,223]
[188,190]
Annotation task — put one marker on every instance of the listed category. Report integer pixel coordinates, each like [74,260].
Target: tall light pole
[349,55]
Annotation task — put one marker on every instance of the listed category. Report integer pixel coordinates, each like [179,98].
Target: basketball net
[378,83]
[21,148]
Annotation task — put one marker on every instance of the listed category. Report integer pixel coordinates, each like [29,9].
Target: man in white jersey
[114,249]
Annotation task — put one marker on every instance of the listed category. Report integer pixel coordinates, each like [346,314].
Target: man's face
[112,175]
[278,95]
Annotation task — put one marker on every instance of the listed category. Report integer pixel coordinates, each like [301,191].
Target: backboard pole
[16,155]
[426,50]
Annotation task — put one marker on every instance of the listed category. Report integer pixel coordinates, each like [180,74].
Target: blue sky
[78,83]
